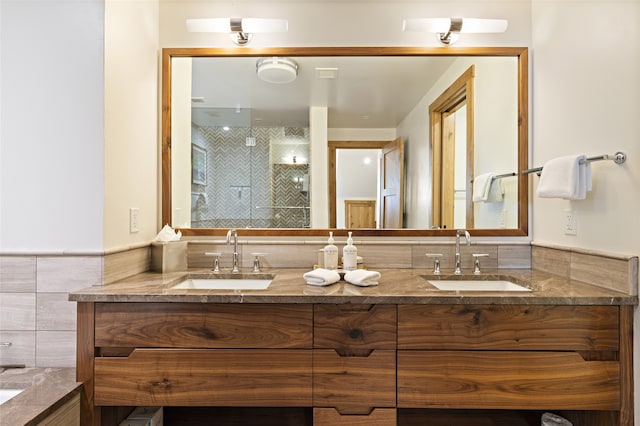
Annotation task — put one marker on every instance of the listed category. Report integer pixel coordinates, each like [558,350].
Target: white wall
[51,137]
[131,154]
[586,63]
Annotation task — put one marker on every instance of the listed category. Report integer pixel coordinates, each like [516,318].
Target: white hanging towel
[487,189]
[567,177]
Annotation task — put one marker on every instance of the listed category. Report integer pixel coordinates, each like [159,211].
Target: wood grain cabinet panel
[506,380]
[354,327]
[377,417]
[509,327]
[354,384]
[206,377]
[198,325]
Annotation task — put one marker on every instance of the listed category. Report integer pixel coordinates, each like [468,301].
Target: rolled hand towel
[362,277]
[321,276]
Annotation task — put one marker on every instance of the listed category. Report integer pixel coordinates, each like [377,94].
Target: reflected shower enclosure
[256,177]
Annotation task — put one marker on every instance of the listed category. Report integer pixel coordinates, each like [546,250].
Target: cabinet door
[354,384]
[509,327]
[353,329]
[203,325]
[377,417]
[206,377]
[506,380]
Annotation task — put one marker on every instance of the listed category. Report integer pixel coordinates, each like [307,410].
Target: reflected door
[392,184]
[360,214]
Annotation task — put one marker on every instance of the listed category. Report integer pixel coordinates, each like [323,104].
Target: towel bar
[618,158]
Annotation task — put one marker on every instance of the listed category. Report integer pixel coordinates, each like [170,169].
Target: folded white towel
[362,277]
[567,177]
[321,276]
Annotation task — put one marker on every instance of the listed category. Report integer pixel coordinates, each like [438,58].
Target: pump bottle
[349,255]
[330,254]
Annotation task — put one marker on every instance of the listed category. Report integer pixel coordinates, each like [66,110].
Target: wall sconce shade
[448,29]
[240,29]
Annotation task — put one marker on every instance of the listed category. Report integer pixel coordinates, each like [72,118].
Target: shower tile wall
[35,314]
[242,187]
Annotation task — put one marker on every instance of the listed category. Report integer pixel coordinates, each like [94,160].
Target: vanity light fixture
[448,29]
[240,29]
[277,70]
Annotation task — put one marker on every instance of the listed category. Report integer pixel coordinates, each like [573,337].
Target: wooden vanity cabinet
[351,364]
[187,354]
[512,357]
[354,365]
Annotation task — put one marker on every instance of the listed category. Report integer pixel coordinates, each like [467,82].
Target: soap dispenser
[330,254]
[349,255]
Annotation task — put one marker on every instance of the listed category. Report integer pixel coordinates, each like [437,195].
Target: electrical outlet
[570,223]
[134,212]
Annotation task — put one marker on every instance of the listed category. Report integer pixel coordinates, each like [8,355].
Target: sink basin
[226,282]
[7,394]
[477,285]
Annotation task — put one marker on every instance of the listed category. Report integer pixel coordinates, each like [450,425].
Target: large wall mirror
[387,141]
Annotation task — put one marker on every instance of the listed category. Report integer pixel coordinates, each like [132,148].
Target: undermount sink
[7,394]
[226,282]
[477,285]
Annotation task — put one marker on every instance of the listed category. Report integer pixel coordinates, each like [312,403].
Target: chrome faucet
[467,237]
[234,232]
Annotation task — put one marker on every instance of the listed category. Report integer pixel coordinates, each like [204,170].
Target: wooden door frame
[333,146]
[460,90]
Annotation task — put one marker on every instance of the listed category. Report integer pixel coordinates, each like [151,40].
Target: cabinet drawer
[354,327]
[354,384]
[506,380]
[197,325]
[207,377]
[377,417]
[509,327]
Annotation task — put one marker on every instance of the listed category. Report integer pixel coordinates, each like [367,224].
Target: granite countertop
[45,390]
[396,286]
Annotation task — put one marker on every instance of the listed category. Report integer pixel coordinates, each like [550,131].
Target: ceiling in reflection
[367,92]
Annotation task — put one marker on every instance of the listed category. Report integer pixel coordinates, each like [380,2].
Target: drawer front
[354,327]
[506,380]
[354,384]
[208,377]
[198,325]
[377,417]
[509,327]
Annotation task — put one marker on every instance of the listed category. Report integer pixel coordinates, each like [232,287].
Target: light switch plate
[134,214]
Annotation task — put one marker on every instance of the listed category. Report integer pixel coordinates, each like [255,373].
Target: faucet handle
[256,261]
[476,261]
[216,261]
[436,262]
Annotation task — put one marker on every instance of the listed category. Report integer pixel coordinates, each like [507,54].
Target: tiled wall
[616,272]
[35,315]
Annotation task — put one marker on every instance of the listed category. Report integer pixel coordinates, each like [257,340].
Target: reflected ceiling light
[448,29]
[240,29]
[276,70]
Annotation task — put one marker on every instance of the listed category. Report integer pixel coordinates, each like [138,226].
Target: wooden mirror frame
[523,131]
